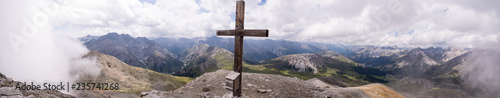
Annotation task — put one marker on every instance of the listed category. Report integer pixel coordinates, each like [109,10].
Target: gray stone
[16,96]
[9,80]
[144,94]
[9,91]
[151,94]
[264,90]
[228,95]
[269,90]
[249,85]
[2,81]
[206,89]
[207,95]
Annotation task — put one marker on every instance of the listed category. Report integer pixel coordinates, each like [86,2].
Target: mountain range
[254,50]
[341,65]
[140,51]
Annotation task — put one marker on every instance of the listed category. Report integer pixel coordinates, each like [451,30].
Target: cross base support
[230,79]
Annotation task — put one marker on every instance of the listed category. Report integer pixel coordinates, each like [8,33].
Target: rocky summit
[266,85]
[7,90]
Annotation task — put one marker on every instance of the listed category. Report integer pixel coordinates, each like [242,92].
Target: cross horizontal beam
[245,32]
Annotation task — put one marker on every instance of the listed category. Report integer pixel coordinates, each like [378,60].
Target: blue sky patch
[411,32]
[202,9]
[148,1]
[233,16]
[394,33]
[262,2]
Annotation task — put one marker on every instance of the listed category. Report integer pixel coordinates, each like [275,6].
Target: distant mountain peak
[139,51]
[414,62]
[114,35]
[416,56]
[306,62]
[435,53]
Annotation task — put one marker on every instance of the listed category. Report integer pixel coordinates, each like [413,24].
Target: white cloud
[431,23]
[174,18]
[32,52]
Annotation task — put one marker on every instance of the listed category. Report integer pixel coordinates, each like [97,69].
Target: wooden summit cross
[234,78]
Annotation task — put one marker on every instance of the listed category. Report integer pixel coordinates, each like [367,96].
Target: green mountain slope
[328,66]
[204,58]
[131,79]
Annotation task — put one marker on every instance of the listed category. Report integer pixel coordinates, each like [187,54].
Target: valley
[428,69]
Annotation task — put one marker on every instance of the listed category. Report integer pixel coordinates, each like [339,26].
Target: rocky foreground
[266,85]
[7,90]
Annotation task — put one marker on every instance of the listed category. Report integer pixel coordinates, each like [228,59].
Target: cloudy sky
[411,23]
[37,36]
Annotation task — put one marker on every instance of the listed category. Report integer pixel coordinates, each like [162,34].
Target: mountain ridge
[139,51]
[204,58]
[132,80]
[354,65]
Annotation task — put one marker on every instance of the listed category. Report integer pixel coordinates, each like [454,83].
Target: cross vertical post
[238,46]
[234,78]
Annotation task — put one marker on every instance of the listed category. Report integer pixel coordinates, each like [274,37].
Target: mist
[32,52]
[482,69]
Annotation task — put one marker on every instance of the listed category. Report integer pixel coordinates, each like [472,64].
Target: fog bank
[32,52]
